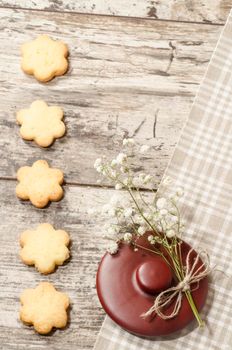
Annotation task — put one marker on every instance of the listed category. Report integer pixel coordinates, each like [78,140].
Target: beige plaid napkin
[202,164]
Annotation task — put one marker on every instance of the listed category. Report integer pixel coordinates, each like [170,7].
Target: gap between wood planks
[77,184]
[105,15]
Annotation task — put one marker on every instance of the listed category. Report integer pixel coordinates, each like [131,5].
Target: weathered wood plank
[77,277]
[124,75]
[214,11]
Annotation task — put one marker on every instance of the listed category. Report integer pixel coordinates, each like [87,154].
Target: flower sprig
[137,213]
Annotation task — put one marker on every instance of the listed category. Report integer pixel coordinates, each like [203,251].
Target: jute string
[193,275]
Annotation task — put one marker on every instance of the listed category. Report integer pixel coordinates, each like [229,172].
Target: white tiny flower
[121,158]
[144,148]
[127,181]
[113,173]
[163,212]
[151,239]
[99,169]
[141,230]
[123,170]
[127,237]
[128,142]
[147,179]
[167,181]
[135,249]
[179,192]
[170,233]
[128,212]
[174,198]
[113,248]
[161,203]
[97,163]
[114,163]
[173,219]
[118,186]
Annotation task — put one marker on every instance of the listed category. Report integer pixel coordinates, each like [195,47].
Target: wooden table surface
[135,67]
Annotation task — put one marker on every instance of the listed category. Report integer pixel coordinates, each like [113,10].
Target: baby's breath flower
[99,169]
[113,173]
[121,158]
[128,212]
[113,248]
[144,148]
[173,219]
[179,192]
[114,163]
[167,181]
[170,233]
[127,181]
[161,203]
[147,179]
[163,212]
[151,239]
[127,237]
[118,186]
[123,169]
[141,230]
[97,163]
[174,198]
[128,142]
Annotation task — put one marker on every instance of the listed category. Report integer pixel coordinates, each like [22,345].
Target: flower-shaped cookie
[44,58]
[41,123]
[39,183]
[44,308]
[44,247]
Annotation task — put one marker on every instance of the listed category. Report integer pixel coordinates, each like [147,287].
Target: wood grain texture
[205,11]
[76,277]
[126,76]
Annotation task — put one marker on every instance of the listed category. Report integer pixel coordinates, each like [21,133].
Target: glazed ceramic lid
[128,281]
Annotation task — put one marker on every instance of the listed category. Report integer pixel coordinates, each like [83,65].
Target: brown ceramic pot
[128,282]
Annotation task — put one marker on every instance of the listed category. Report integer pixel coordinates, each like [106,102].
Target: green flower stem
[180,276]
[140,211]
[192,304]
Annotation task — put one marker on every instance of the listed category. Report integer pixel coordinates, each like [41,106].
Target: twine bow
[192,275]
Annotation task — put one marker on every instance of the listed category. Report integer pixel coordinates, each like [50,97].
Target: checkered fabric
[202,164]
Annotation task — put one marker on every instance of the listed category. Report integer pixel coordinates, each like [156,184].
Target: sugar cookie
[41,123]
[39,183]
[44,308]
[44,58]
[44,247]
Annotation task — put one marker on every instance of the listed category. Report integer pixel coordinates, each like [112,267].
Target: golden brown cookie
[44,247]
[44,58]
[39,183]
[41,123]
[44,308]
